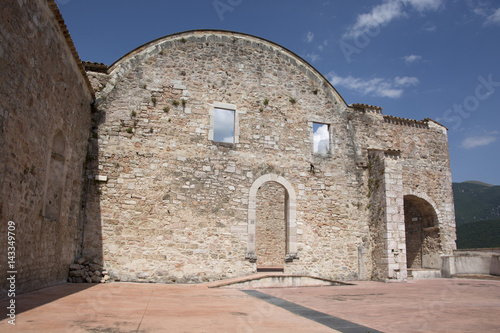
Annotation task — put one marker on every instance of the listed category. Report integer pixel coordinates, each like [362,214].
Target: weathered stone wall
[163,202]
[270,234]
[169,184]
[44,122]
[378,221]
[173,205]
[387,215]
[424,159]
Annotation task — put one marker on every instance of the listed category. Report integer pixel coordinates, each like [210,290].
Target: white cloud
[406,81]
[223,125]
[380,15]
[423,5]
[392,88]
[322,46]
[494,18]
[388,11]
[309,37]
[479,141]
[429,27]
[410,59]
[321,139]
[313,57]
[479,11]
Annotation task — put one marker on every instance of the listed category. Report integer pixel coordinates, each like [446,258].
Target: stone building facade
[195,158]
[175,202]
[45,104]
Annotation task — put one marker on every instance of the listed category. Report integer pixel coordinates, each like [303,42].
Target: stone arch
[55,177]
[422,233]
[424,196]
[290,216]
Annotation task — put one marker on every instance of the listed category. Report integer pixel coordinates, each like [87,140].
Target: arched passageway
[422,233]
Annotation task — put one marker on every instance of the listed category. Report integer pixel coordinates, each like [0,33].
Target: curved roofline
[293,54]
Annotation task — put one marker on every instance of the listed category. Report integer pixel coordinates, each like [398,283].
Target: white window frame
[330,136]
[229,107]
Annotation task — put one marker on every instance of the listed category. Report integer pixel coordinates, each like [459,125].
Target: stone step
[274,280]
[423,273]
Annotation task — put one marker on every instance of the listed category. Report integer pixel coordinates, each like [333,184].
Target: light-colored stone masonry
[170,204]
[45,104]
[166,203]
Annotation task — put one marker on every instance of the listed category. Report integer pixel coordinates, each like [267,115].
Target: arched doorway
[55,178]
[422,234]
[272,221]
[270,227]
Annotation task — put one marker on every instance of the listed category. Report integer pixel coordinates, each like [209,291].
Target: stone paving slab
[129,307]
[441,305]
[438,305]
[341,325]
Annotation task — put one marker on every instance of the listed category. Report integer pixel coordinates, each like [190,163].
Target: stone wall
[172,204]
[270,234]
[162,201]
[378,221]
[45,104]
[425,169]
[472,261]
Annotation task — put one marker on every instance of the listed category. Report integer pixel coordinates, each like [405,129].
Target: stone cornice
[407,122]
[95,67]
[366,108]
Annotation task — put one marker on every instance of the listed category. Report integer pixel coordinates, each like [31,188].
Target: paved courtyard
[440,305]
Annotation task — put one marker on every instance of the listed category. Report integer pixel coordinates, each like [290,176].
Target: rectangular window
[224,125]
[321,139]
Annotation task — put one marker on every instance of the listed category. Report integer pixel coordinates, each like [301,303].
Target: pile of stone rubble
[87,270]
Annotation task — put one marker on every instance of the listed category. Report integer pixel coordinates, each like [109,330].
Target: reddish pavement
[441,305]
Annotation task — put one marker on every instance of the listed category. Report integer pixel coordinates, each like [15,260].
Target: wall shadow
[33,299]
[91,246]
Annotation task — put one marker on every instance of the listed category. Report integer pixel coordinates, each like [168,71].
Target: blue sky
[415,58]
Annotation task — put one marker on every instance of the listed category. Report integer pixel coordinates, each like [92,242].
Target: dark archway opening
[422,234]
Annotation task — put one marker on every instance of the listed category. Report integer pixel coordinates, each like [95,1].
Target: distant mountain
[480,234]
[478,183]
[477,214]
[475,201]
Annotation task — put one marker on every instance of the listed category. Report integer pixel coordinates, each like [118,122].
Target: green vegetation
[476,202]
[480,234]
[477,214]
